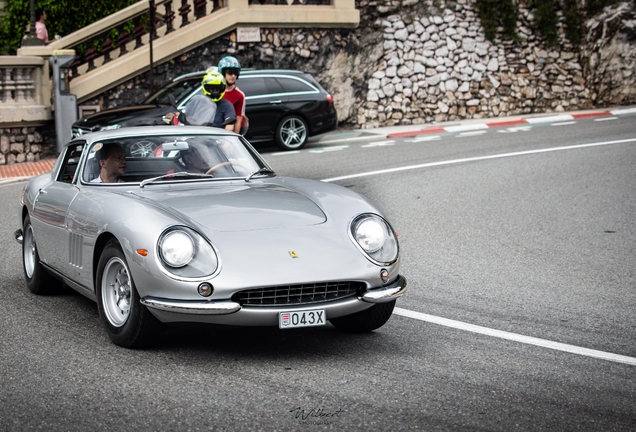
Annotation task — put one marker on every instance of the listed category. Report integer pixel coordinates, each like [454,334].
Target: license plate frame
[302,318]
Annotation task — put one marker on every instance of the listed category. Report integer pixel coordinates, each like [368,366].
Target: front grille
[297,294]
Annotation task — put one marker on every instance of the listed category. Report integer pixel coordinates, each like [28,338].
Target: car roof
[246,71]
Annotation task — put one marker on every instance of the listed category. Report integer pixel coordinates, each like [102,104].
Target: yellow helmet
[213,86]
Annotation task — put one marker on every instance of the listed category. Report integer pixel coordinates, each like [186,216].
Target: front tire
[38,279]
[128,323]
[292,133]
[365,321]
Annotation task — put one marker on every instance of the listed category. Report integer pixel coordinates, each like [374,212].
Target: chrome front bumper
[386,293]
[210,308]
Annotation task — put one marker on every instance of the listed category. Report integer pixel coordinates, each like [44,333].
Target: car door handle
[42,191]
[276,102]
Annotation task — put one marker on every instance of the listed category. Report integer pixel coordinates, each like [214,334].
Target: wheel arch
[100,244]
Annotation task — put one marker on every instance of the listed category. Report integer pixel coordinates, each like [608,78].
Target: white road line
[605,118]
[564,123]
[480,158]
[472,133]
[328,149]
[283,153]
[379,144]
[516,337]
[425,138]
[516,129]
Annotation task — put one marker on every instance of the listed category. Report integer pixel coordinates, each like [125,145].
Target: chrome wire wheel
[116,292]
[292,133]
[29,252]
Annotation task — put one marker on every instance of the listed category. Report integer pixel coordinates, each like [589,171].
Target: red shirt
[237,98]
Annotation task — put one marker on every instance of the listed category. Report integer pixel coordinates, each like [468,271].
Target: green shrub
[63,18]
[494,13]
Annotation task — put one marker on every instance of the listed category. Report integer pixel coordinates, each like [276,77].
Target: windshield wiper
[177,174]
[263,170]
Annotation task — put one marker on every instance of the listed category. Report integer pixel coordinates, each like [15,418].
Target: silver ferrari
[167,224]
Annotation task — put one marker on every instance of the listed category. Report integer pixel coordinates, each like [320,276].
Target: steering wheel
[219,165]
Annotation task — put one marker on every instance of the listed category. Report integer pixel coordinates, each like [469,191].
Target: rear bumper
[232,313]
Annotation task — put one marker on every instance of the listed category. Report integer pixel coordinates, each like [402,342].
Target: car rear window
[292,85]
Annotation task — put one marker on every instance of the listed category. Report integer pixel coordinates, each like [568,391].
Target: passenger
[230,68]
[209,109]
[112,164]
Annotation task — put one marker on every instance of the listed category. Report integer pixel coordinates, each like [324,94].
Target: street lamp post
[31,39]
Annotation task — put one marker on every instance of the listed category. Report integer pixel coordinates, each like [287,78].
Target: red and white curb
[511,122]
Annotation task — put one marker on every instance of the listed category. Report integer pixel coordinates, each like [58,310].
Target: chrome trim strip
[387,293]
[191,307]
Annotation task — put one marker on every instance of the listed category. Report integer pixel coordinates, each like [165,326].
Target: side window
[292,85]
[69,166]
[252,86]
[273,86]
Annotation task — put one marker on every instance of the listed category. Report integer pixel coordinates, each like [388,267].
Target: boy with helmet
[230,68]
[208,109]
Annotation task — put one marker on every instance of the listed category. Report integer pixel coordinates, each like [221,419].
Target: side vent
[75,250]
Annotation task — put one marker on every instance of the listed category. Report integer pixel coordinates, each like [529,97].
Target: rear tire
[128,323]
[367,320]
[38,279]
[292,133]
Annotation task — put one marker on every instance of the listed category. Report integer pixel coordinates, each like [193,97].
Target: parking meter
[64,102]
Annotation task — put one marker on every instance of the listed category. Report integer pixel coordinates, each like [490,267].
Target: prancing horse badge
[293,254]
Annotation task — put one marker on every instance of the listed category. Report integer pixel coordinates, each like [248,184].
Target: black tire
[128,323]
[367,320]
[292,133]
[38,279]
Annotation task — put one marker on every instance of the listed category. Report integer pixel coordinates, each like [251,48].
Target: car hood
[136,115]
[241,207]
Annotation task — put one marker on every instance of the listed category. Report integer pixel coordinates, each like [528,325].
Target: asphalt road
[516,230]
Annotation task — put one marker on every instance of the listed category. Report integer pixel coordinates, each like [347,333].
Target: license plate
[308,318]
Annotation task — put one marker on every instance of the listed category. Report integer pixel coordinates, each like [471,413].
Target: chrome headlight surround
[374,237]
[184,254]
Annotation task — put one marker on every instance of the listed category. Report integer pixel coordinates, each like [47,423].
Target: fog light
[205,289]
[384,275]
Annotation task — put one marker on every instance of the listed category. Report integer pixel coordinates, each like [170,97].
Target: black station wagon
[284,106]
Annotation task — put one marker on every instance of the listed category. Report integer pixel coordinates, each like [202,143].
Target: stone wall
[415,62]
[428,61]
[24,144]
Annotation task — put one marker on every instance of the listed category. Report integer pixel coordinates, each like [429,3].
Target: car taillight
[329,98]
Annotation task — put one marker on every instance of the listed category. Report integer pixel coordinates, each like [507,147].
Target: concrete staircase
[179,28]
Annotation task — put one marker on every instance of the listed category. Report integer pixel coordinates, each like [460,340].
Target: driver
[112,164]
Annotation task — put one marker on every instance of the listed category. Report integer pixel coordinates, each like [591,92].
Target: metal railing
[117,47]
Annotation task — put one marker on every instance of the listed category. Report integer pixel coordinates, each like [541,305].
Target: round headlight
[177,248]
[375,237]
[370,235]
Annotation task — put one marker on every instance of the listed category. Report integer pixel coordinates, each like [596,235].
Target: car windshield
[173,157]
[180,89]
